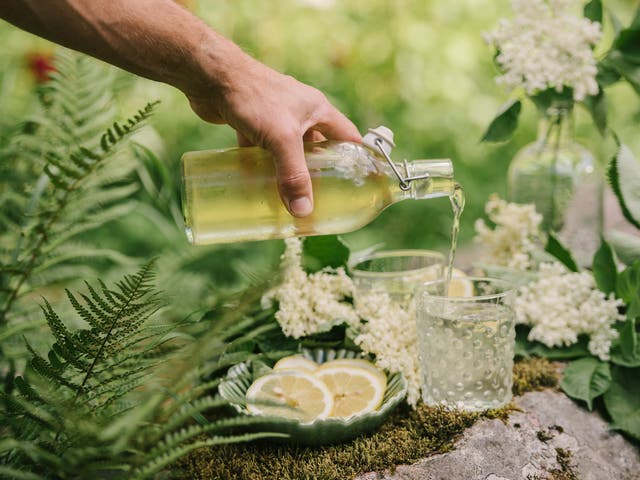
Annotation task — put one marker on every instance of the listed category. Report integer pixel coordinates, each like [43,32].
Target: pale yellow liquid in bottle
[232,196]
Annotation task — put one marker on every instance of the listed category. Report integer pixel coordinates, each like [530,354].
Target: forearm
[156,39]
[160,40]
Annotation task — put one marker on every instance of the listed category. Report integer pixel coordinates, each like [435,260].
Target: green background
[418,66]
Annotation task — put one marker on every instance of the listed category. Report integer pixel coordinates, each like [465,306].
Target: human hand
[278,113]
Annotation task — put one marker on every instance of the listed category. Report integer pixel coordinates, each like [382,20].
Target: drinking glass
[396,272]
[466,344]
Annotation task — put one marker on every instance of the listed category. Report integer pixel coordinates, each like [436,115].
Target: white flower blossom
[389,332]
[561,305]
[313,303]
[515,236]
[546,46]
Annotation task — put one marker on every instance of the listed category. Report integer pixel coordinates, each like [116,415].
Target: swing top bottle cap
[383,133]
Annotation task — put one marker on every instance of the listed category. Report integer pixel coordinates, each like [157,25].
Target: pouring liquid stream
[457,203]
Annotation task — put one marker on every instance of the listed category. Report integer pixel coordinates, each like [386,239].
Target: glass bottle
[231,195]
[562,179]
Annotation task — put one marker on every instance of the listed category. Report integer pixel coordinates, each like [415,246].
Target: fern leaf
[174,439]
[118,131]
[71,355]
[63,335]
[8,472]
[63,137]
[189,410]
[43,368]
[22,408]
[32,450]
[27,391]
[155,465]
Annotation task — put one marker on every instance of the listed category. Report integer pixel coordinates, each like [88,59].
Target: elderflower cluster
[546,46]
[561,305]
[389,332]
[313,303]
[515,236]
[309,304]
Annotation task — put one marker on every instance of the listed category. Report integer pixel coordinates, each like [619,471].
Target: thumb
[294,181]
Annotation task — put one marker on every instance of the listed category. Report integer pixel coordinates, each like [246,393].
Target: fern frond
[35,452]
[155,465]
[174,439]
[6,472]
[119,131]
[18,407]
[188,410]
[69,198]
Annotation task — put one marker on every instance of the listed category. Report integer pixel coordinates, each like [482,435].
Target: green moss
[409,435]
[565,470]
[532,374]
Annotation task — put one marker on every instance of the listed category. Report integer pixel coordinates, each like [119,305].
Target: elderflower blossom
[515,236]
[561,305]
[546,46]
[312,303]
[389,332]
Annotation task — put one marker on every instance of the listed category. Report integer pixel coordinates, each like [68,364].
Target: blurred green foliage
[417,66]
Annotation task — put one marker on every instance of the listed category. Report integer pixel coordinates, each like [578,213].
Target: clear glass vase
[563,180]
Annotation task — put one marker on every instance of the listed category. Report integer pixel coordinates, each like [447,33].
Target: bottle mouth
[437,167]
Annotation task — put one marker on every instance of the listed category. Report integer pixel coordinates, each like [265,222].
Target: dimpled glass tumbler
[396,272]
[466,344]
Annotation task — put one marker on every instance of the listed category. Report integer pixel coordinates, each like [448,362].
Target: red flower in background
[40,64]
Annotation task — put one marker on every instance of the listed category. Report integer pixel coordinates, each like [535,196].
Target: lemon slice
[296,363]
[460,286]
[354,362]
[295,395]
[355,390]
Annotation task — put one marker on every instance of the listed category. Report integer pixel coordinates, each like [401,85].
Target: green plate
[322,431]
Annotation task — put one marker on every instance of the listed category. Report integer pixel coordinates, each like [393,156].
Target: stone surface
[525,447]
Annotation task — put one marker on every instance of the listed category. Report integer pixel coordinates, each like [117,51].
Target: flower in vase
[546,46]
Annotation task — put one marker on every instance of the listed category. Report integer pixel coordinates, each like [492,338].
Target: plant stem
[556,122]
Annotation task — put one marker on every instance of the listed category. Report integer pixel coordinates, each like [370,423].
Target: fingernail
[300,207]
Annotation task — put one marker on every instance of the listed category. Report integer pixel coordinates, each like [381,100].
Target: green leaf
[626,246]
[628,289]
[628,39]
[593,11]
[275,340]
[525,348]
[607,74]
[549,97]
[586,379]
[626,352]
[324,251]
[626,66]
[624,177]
[259,368]
[604,269]
[504,123]
[560,252]
[597,106]
[623,400]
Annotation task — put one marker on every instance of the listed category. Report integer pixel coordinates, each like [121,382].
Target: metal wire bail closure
[404,181]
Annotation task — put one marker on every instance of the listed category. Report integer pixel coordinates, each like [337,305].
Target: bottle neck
[426,179]
[555,128]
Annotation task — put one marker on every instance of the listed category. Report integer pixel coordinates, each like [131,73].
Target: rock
[550,434]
